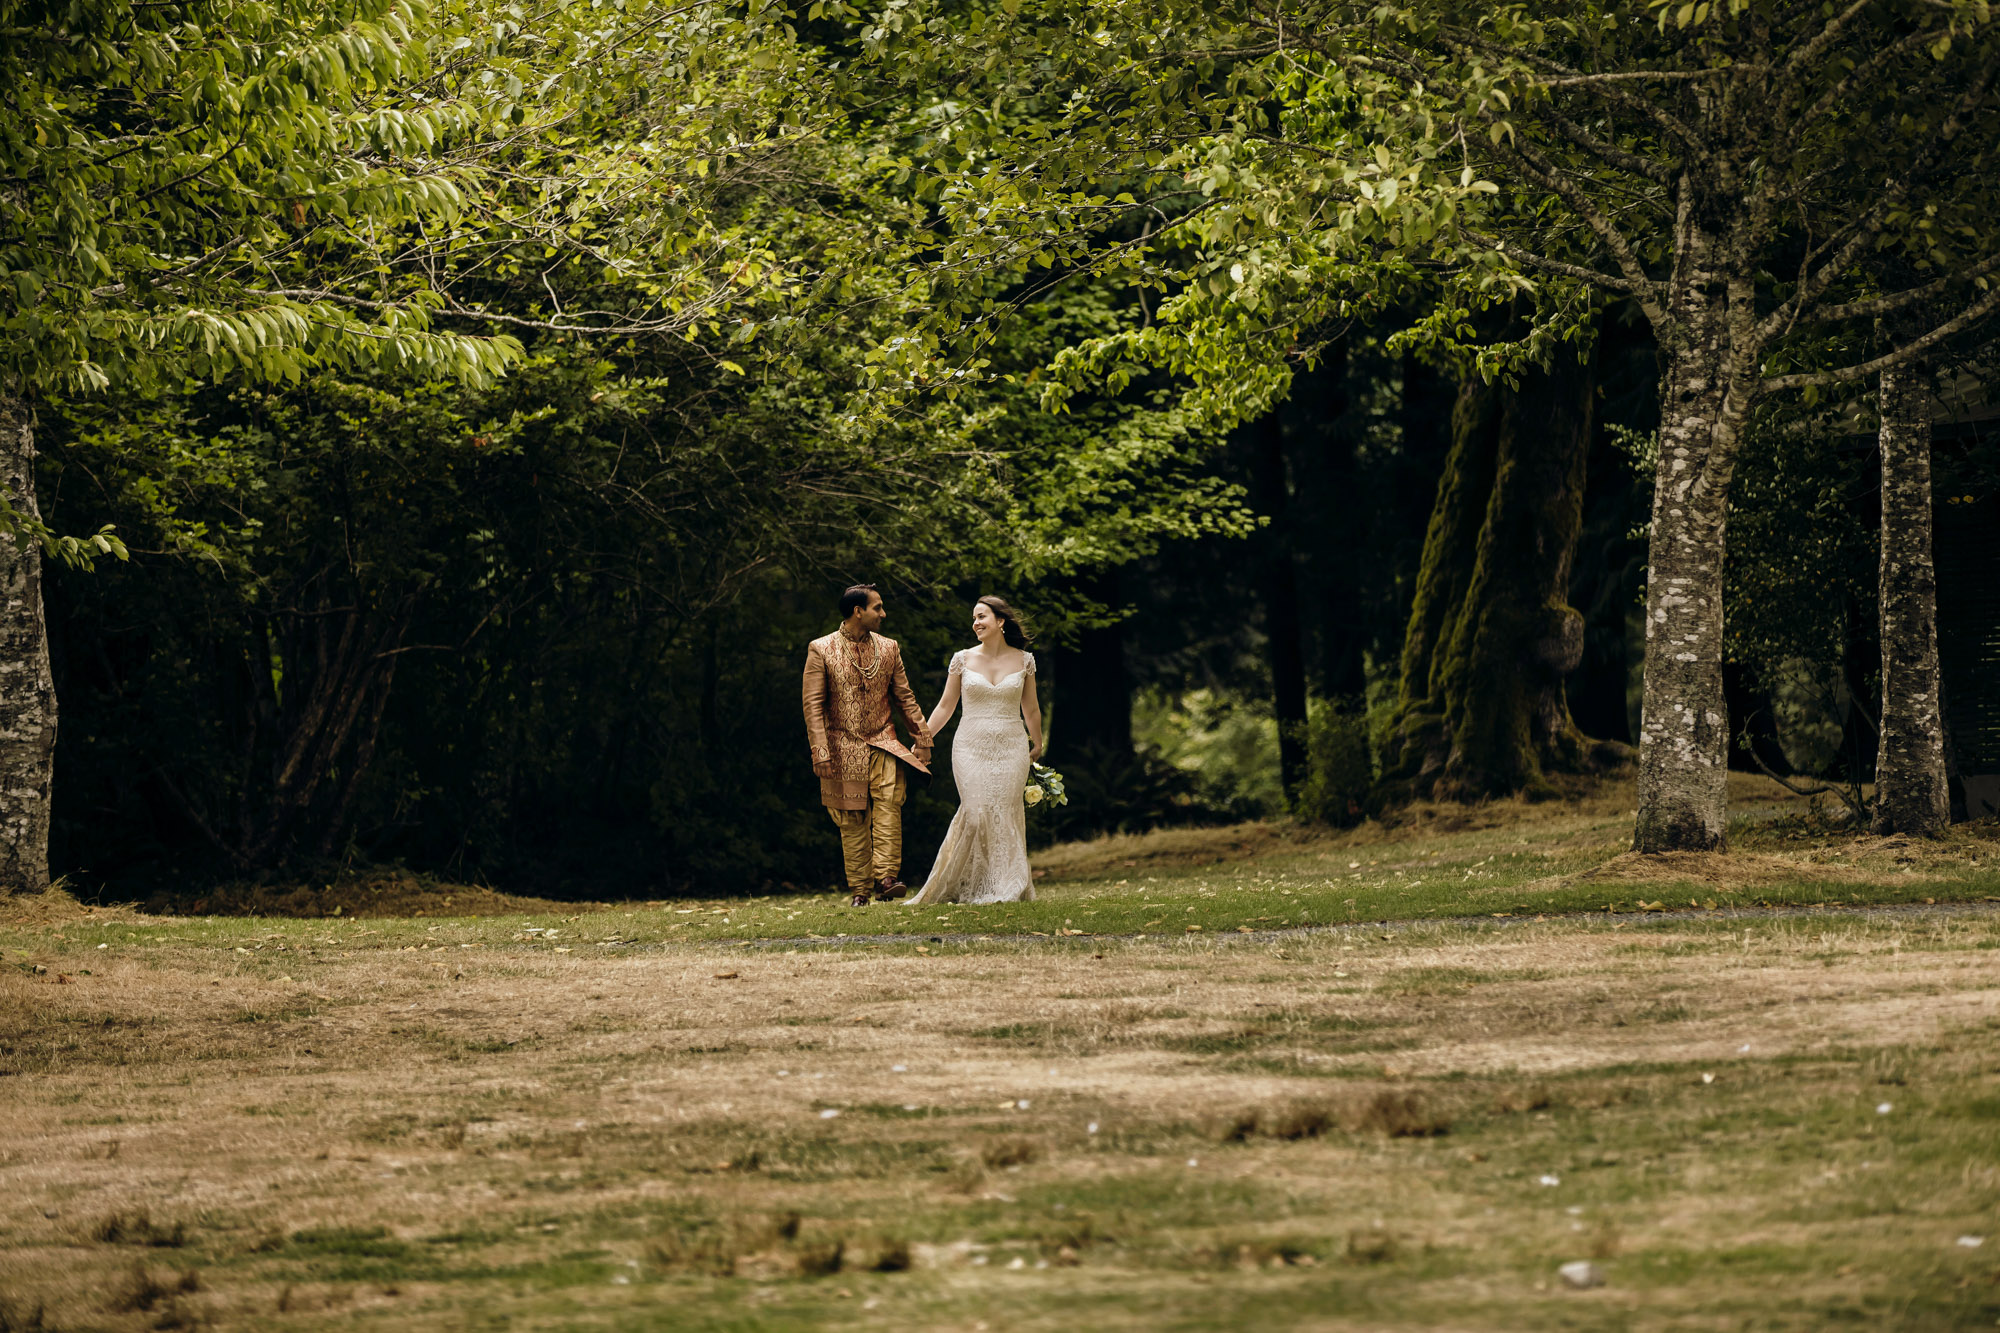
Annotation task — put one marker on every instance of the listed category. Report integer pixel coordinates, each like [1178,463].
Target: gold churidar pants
[871,840]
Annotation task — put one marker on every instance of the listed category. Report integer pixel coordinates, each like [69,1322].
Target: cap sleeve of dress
[957,667]
[1029,666]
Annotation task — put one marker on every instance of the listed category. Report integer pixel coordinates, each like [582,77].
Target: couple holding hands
[855,686]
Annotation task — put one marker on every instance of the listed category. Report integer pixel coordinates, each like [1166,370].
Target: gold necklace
[867,672]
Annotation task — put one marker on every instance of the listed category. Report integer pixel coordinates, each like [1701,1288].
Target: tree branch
[1889,304]
[1584,80]
[1890,360]
[1609,152]
[1796,63]
[1867,227]
[1532,163]
[1608,92]
[1858,809]
[1854,78]
[1557,266]
[686,317]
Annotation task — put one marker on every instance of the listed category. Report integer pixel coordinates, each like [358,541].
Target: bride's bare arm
[1031,711]
[946,706]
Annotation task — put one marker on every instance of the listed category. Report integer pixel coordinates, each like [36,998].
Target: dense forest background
[598,620]
[542,627]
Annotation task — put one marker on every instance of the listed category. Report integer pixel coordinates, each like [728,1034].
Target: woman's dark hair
[854,599]
[1012,629]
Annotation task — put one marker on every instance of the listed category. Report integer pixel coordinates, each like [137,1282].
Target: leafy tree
[1740,171]
[509,625]
[265,192]
[168,168]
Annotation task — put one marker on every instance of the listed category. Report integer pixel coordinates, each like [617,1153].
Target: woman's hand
[1034,752]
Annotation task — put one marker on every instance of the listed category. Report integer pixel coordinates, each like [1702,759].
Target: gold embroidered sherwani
[853,690]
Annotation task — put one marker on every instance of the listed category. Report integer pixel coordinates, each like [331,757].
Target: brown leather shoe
[860,899]
[889,888]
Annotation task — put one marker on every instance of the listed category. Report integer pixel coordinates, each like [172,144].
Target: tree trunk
[1911,795]
[1519,637]
[321,730]
[1422,740]
[1684,720]
[1283,643]
[1491,634]
[27,689]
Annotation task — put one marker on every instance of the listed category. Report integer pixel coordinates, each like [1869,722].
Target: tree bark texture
[1684,719]
[1911,794]
[27,690]
[1284,644]
[1491,634]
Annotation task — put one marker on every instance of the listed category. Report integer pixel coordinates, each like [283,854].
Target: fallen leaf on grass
[727,976]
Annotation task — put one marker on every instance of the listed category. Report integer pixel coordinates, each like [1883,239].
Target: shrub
[1340,769]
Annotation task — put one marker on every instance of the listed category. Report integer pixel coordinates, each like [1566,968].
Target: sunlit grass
[1168,886]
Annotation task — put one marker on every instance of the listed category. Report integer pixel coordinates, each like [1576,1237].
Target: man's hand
[823,767]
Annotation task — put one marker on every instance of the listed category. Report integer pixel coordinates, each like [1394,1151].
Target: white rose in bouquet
[1033,795]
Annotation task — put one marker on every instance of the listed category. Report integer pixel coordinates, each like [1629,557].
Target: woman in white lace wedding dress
[984,858]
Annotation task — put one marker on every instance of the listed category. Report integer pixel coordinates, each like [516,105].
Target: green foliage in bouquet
[1045,787]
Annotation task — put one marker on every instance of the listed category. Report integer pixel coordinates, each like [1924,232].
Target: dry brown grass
[303,1140]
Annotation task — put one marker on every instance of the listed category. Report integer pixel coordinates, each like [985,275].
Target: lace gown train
[984,858]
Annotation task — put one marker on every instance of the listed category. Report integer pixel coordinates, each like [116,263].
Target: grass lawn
[629,1117]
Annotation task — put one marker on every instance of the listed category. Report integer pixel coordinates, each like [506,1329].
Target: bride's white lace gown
[984,858]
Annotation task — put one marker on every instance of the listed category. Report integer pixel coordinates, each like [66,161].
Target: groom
[851,676]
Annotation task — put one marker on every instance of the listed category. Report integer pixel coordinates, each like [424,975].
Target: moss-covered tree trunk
[1481,707]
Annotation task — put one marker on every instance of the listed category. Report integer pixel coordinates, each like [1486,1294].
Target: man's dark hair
[855,598]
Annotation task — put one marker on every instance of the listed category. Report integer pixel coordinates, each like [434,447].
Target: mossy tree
[1481,709]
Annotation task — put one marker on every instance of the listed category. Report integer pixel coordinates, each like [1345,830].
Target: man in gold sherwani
[853,676]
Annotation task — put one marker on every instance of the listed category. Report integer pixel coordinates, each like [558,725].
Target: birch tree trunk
[1684,720]
[1911,794]
[27,690]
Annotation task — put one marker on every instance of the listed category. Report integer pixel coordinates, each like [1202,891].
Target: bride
[984,858]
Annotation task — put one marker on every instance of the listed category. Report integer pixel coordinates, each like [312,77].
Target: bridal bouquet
[1045,787]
